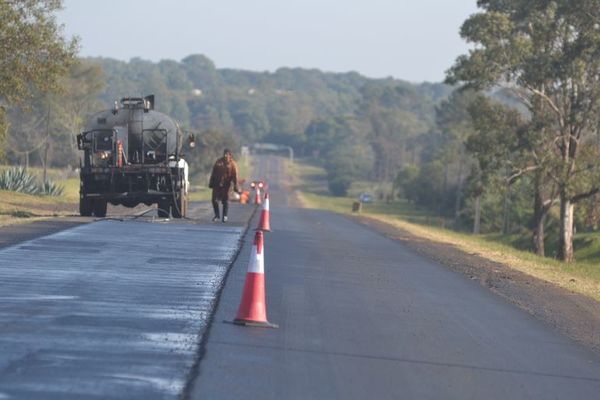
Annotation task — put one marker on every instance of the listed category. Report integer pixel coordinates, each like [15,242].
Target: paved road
[362,316]
[114,309]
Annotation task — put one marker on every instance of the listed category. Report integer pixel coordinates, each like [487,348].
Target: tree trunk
[458,190]
[505,212]
[446,166]
[477,220]
[46,145]
[565,248]
[45,162]
[538,236]
[539,218]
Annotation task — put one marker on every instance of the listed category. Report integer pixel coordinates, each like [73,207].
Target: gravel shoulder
[572,314]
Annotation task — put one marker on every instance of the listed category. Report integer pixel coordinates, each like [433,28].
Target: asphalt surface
[121,309]
[362,316]
[19,233]
[112,309]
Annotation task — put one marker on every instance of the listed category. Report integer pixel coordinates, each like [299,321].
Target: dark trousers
[215,204]
[219,195]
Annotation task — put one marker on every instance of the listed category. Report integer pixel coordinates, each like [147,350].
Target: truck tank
[132,155]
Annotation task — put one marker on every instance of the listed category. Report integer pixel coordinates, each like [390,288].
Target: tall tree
[456,125]
[33,55]
[396,115]
[78,100]
[342,143]
[548,53]
[494,145]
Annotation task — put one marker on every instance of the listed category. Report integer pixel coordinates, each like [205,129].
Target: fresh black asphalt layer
[109,310]
[362,316]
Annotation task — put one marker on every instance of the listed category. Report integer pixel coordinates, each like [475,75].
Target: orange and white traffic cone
[264,224]
[253,308]
[257,198]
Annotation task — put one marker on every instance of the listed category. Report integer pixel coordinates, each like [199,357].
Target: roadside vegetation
[582,276]
[506,148]
[17,179]
[20,207]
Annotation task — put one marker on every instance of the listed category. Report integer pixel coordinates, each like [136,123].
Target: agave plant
[50,188]
[18,180]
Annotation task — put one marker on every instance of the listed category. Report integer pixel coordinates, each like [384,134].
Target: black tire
[85,207]
[163,208]
[100,208]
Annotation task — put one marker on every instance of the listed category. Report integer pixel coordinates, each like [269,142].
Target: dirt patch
[572,314]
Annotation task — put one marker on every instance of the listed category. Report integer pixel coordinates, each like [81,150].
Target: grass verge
[580,277]
[18,208]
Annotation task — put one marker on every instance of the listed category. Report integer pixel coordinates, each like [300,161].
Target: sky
[413,40]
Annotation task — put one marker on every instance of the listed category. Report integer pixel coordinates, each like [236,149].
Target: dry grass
[16,208]
[580,277]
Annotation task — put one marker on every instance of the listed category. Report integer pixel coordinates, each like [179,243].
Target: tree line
[373,119]
[507,144]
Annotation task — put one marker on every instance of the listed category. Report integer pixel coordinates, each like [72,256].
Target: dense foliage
[513,149]
[547,54]
[33,55]
[359,127]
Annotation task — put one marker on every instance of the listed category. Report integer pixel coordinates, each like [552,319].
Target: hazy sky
[415,40]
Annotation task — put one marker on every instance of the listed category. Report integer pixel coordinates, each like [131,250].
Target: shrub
[50,188]
[338,186]
[18,180]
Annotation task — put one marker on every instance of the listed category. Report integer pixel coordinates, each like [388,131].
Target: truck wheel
[85,207]
[163,208]
[100,208]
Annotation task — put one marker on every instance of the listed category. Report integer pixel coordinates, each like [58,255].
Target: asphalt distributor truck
[132,155]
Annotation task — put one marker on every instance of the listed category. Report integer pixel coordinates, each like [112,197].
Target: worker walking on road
[224,173]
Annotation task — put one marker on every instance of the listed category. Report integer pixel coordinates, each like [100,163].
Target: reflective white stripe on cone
[265,221]
[253,308]
[257,198]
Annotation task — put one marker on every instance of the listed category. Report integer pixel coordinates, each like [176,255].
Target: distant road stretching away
[363,317]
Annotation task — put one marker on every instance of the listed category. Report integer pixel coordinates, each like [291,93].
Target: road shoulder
[572,314]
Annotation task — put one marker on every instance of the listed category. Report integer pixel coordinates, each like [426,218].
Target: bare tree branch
[583,196]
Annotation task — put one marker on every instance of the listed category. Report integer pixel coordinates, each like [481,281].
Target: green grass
[66,178]
[199,193]
[582,276]
[587,251]
[19,207]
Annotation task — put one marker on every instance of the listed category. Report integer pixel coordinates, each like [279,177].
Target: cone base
[258,324]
